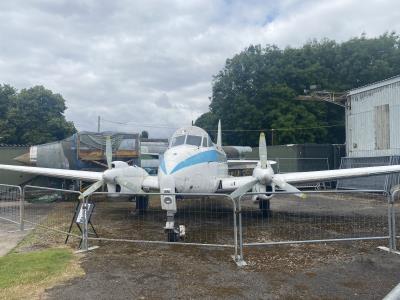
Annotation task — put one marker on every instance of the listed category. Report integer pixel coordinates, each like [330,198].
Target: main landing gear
[264,206]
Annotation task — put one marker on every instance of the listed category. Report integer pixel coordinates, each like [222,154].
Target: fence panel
[10,205]
[208,219]
[51,213]
[320,217]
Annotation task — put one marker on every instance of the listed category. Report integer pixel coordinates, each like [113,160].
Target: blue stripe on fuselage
[202,157]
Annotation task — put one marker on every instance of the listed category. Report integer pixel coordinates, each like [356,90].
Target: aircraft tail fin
[219,135]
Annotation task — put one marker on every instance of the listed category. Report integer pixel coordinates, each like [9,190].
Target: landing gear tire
[172,235]
[142,204]
[264,206]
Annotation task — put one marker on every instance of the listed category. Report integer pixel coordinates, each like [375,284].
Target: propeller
[109,152]
[98,184]
[264,174]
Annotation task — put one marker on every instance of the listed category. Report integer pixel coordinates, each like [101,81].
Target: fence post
[240,258]
[85,246]
[235,228]
[21,208]
[392,220]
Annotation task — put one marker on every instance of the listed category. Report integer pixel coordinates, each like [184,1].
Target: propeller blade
[263,151]
[131,184]
[288,187]
[108,151]
[91,189]
[243,189]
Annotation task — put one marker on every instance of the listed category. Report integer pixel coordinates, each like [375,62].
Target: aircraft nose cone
[24,158]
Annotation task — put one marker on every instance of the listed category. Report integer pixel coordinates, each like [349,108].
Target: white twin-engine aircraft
[194,164]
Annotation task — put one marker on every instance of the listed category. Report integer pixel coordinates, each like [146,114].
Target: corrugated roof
[13,145]
[375,85]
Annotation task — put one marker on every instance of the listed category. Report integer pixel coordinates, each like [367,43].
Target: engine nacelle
[259,188]
[121,169]
[119,164]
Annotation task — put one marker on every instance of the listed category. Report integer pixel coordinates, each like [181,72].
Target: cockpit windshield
[194,140]
[191,135]
[178,140]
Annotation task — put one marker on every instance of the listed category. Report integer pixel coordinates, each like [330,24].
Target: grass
[27,275]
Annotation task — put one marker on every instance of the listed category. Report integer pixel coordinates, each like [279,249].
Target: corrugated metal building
[372,133]
[373,119]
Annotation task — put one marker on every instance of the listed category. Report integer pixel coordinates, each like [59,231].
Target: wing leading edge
[149,182]
[59,173]
[302,177]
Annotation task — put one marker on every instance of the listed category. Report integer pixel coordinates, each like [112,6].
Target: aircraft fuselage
[194,169]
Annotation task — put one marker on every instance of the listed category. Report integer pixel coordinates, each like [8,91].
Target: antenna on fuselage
[219,136]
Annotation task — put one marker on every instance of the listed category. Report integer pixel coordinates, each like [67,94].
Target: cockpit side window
[193,140]
[178,140]
[205,142]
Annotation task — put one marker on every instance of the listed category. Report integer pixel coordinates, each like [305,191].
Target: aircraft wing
[59,173]
[149,182]
[301,177]
[230,184]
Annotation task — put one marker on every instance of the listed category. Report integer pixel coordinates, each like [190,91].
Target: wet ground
[121,270]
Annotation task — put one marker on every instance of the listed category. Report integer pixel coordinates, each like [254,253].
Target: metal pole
[239,256]
[21,208]
[85,226]
[392,221]
[235,230]
[240,230]
[98,123]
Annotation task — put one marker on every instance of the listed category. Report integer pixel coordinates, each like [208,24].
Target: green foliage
[256,89]
[32,116]
[33,267]
[144,134]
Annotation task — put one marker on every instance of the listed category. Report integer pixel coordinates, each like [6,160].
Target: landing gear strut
[174,234]
[264,206]
[142,204]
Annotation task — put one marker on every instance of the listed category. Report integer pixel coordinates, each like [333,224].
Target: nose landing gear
[174,234]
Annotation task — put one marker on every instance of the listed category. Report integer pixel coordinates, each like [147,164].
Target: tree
[34,116]
[144,134]
[256,89]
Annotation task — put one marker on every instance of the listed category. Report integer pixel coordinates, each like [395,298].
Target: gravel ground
[334,271]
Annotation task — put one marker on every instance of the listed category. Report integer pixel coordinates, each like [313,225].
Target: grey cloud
[152,62]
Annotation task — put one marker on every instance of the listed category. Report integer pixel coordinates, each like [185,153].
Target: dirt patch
[343,271]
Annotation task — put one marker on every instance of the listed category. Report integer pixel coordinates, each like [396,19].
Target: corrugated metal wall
[365,120]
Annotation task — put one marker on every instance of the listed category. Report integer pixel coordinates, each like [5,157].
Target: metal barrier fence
[213,220]
[50,212]
[11,204]
[209,219]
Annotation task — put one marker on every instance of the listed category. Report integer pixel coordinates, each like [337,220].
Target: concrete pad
[9,236]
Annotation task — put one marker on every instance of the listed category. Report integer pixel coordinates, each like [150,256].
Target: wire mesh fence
[322,216]
[10,203]
[207,219]
[51,212]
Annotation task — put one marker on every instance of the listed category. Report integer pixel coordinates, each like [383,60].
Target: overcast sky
[151,62]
